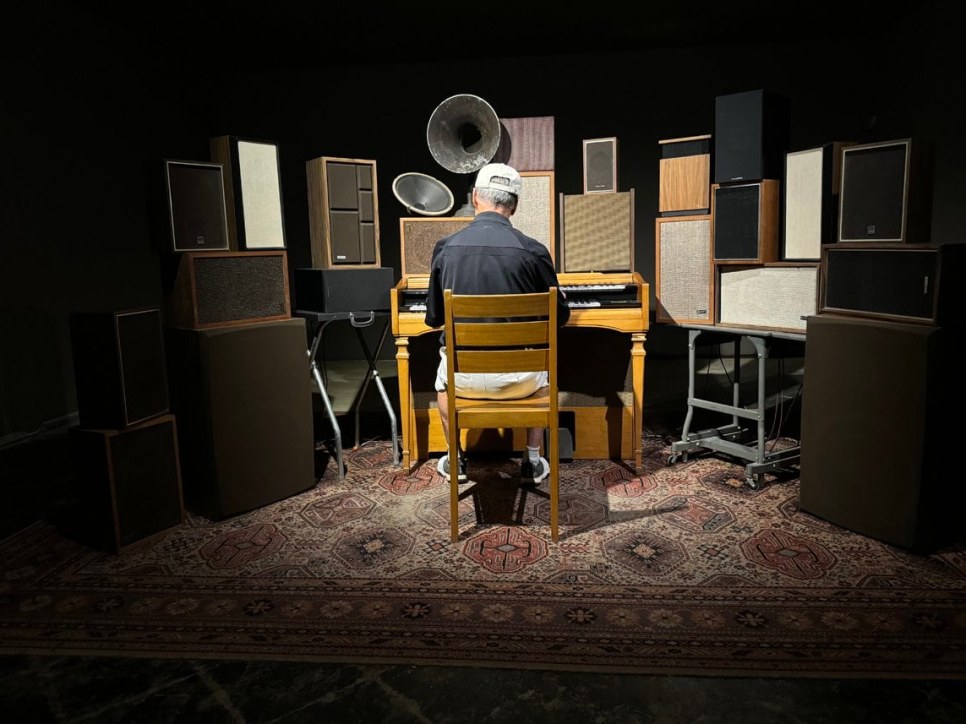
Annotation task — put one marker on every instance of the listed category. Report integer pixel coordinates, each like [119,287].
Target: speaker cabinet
[745,222]
[203,290]
[343,290]
[195,203]
[886,192]
[127,482]
[751,135]
[875,455]
[253,192]
[418,236]
[685,276]
[811,200]
[779,296]
[915,283]
[527,144]
[119,367]
[343,212]
[685,176]
[597,232]
[600,165]
[243,399]
[536,214]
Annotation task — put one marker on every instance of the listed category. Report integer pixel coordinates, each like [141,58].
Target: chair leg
[454,493]
[553,457]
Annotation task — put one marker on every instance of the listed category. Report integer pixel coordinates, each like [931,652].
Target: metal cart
[725,439]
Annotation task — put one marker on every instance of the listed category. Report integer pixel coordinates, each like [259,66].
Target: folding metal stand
[724,439]
[320,321]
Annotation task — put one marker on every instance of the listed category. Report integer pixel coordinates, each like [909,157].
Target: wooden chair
[502,333]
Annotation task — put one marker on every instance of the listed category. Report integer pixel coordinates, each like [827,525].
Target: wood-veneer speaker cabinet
[527,144]
[253,192]
[600,165]
[195,216]
[119,367]
[745,222]
[127,482]
[684,272]
[343,212]
[419,234]
[876,437]
[685,175]
[243,399]
[886,192]
[916,283]
[214,289]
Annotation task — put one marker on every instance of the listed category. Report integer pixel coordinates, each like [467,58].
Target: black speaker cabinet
[751,135]
[600,165]
[419,234]
[779,296]
[597,232]
[876,448]
[127,482]
[119,367]
[343,212]
[917,283]
[243,399]
[685,275]
[343,290]
[526,144]
[212,289]
[886,192]
[811,200]
[253,192]
[685,176]
[745,221]
[197,218]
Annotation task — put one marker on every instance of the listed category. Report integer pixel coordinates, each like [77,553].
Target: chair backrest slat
[501,334]
[499,305]
[521,360]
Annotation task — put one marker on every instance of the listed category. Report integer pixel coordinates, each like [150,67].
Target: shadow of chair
[503,333]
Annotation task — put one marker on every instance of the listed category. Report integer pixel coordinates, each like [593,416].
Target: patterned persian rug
[683,569]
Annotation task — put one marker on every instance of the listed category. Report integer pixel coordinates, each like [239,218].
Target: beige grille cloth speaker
[597,232]
[778,297]
[536,211]
[685,276]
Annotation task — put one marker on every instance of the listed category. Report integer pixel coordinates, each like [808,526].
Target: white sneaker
[442,467]
[534,473]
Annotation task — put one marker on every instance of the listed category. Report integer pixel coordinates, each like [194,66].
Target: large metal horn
[463,133]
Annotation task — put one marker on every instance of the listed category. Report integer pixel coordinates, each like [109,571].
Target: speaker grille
[598,232]
[211,290]
[418,236]
[527,144]
[684,270]
[196,205]
[779,297]
[535,215]
[874,192]
[600,165]
[745,218]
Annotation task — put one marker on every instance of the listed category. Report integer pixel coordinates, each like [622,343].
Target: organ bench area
[600,365]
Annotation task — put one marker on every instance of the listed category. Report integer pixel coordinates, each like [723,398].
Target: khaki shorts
[491,386]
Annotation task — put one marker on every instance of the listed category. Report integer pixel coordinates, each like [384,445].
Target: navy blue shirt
[489,256]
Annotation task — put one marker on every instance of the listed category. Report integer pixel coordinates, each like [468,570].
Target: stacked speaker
[127,467]
[597,226]
[236,359]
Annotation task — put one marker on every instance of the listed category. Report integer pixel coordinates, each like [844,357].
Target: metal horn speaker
[422,194]
[463,133]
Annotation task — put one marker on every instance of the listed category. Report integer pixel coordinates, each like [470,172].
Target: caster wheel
[754,482]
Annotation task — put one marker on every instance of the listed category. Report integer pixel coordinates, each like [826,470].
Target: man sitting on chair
[489,256]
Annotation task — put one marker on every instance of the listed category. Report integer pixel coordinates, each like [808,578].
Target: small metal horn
[463,133]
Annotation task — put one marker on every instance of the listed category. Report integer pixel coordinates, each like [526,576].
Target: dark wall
[84,117]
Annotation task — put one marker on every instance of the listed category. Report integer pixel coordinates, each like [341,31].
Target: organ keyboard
[615,301]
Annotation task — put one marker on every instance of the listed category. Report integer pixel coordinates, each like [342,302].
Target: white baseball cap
[501,177]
